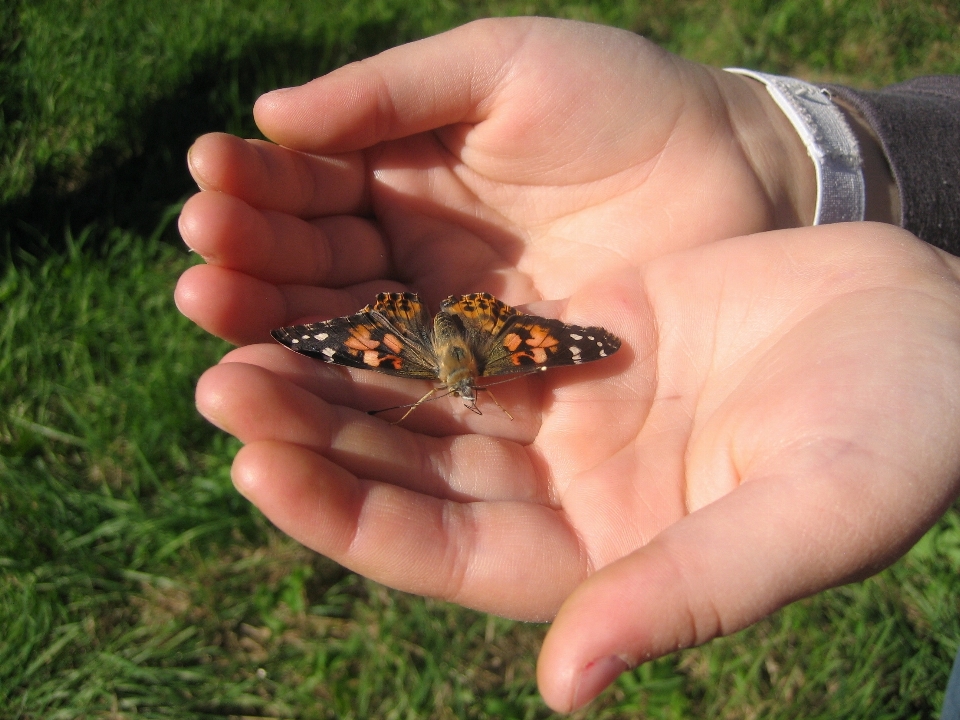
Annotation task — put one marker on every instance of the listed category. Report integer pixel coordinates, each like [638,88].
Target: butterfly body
[456,364]
[473,336]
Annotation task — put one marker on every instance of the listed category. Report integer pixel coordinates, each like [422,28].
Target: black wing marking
[530,343]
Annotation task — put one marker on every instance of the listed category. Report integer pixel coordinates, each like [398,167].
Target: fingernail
[595,676]
[184,233]
[194,170]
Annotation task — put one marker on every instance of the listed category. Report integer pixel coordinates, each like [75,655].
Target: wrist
[774,150]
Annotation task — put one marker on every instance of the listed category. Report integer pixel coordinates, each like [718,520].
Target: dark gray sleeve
[918,123]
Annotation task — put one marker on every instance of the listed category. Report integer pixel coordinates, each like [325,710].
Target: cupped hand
[525,157]
[780,419]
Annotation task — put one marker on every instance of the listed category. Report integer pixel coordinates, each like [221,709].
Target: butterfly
[473,336]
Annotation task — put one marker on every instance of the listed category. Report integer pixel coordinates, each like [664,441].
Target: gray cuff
[841,188]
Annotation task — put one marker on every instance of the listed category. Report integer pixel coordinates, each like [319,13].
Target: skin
[781,417]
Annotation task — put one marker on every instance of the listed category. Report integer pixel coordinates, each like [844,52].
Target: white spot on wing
[322,336]
[576,337]
[329,352]
[295,340]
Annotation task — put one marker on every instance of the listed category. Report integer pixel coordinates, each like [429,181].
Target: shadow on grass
[131,182]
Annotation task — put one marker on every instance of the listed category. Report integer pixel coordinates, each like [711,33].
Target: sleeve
[918,125]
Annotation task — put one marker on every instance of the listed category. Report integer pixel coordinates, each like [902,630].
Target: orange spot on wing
[512,341]
[540,337]
[392,342]
[375,359]
[360,339]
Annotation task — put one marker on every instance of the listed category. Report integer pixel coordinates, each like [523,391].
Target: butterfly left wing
[392,336]
[511,342]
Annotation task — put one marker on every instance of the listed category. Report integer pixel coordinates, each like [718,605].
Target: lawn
[135,582]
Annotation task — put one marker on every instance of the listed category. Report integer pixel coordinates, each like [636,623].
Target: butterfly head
[466,389]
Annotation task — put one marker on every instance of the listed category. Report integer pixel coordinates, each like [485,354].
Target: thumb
[769,542]
[420,86]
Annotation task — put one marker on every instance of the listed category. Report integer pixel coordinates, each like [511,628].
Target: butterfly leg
[494,398]
[417,404]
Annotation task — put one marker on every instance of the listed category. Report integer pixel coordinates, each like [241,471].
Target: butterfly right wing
[509,341]
[392,336]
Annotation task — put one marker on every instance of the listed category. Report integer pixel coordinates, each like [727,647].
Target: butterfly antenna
[513,377]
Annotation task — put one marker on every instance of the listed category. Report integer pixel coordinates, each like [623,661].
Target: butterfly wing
[480,312]
[482,317]
[537,343]
[511,342]
[392,336]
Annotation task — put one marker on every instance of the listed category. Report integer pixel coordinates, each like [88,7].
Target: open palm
[746,447]
[730,371]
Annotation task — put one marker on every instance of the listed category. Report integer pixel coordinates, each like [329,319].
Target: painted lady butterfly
[473,336]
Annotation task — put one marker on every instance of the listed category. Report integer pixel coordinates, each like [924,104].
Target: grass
[134,582]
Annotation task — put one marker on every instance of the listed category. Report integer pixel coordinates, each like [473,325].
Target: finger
[280,248]
[254,404]
[409,89]
[243,310]
[772,541]
[271,177]
[370,391]
[492,556]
